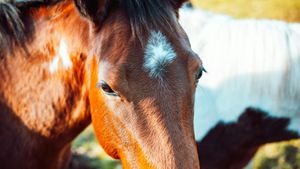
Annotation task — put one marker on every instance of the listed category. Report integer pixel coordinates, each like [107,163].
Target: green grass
[89,153]
[285,155]
[274,9]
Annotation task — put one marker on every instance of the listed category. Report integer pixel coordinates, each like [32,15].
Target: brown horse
[127,63]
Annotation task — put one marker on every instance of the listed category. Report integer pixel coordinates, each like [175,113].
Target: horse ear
[94,10]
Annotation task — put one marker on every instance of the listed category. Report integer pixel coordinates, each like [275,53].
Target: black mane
[149,14]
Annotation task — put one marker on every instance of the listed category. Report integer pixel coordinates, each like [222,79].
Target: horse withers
[127,63]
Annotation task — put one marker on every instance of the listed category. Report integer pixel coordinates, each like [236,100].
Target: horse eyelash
[203,70]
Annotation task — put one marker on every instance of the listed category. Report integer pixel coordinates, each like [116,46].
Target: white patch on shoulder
[158,54]
[54,64]
[62,57]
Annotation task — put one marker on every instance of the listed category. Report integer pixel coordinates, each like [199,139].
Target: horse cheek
[100,115]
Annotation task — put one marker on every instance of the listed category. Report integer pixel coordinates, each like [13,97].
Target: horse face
[142,92]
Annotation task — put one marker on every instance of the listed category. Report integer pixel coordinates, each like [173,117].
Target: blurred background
[288,10]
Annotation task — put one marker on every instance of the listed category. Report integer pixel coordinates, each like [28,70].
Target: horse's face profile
[143,79]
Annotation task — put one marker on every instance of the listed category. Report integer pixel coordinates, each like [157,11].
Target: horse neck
[71,33]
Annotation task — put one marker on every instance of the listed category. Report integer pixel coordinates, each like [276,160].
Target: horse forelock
[149,15]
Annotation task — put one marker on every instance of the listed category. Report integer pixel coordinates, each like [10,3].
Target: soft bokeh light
[273,9]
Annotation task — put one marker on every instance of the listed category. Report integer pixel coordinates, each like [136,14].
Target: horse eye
[200,72]
[106,88]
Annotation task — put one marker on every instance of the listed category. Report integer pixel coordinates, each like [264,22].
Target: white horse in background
[250,63]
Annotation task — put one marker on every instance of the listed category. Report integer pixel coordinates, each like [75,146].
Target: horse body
[259,61]
[64,60]
[43,108]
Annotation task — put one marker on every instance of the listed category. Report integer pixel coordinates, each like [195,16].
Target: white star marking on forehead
[158,54]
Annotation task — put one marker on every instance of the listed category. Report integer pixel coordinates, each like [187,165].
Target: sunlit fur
[53,56]
[43,101]
[250,63]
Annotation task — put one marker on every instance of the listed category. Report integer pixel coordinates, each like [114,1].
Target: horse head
[143,79]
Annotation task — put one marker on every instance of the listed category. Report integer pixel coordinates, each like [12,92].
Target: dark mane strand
[16,27]
[148,15]
[12,28]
